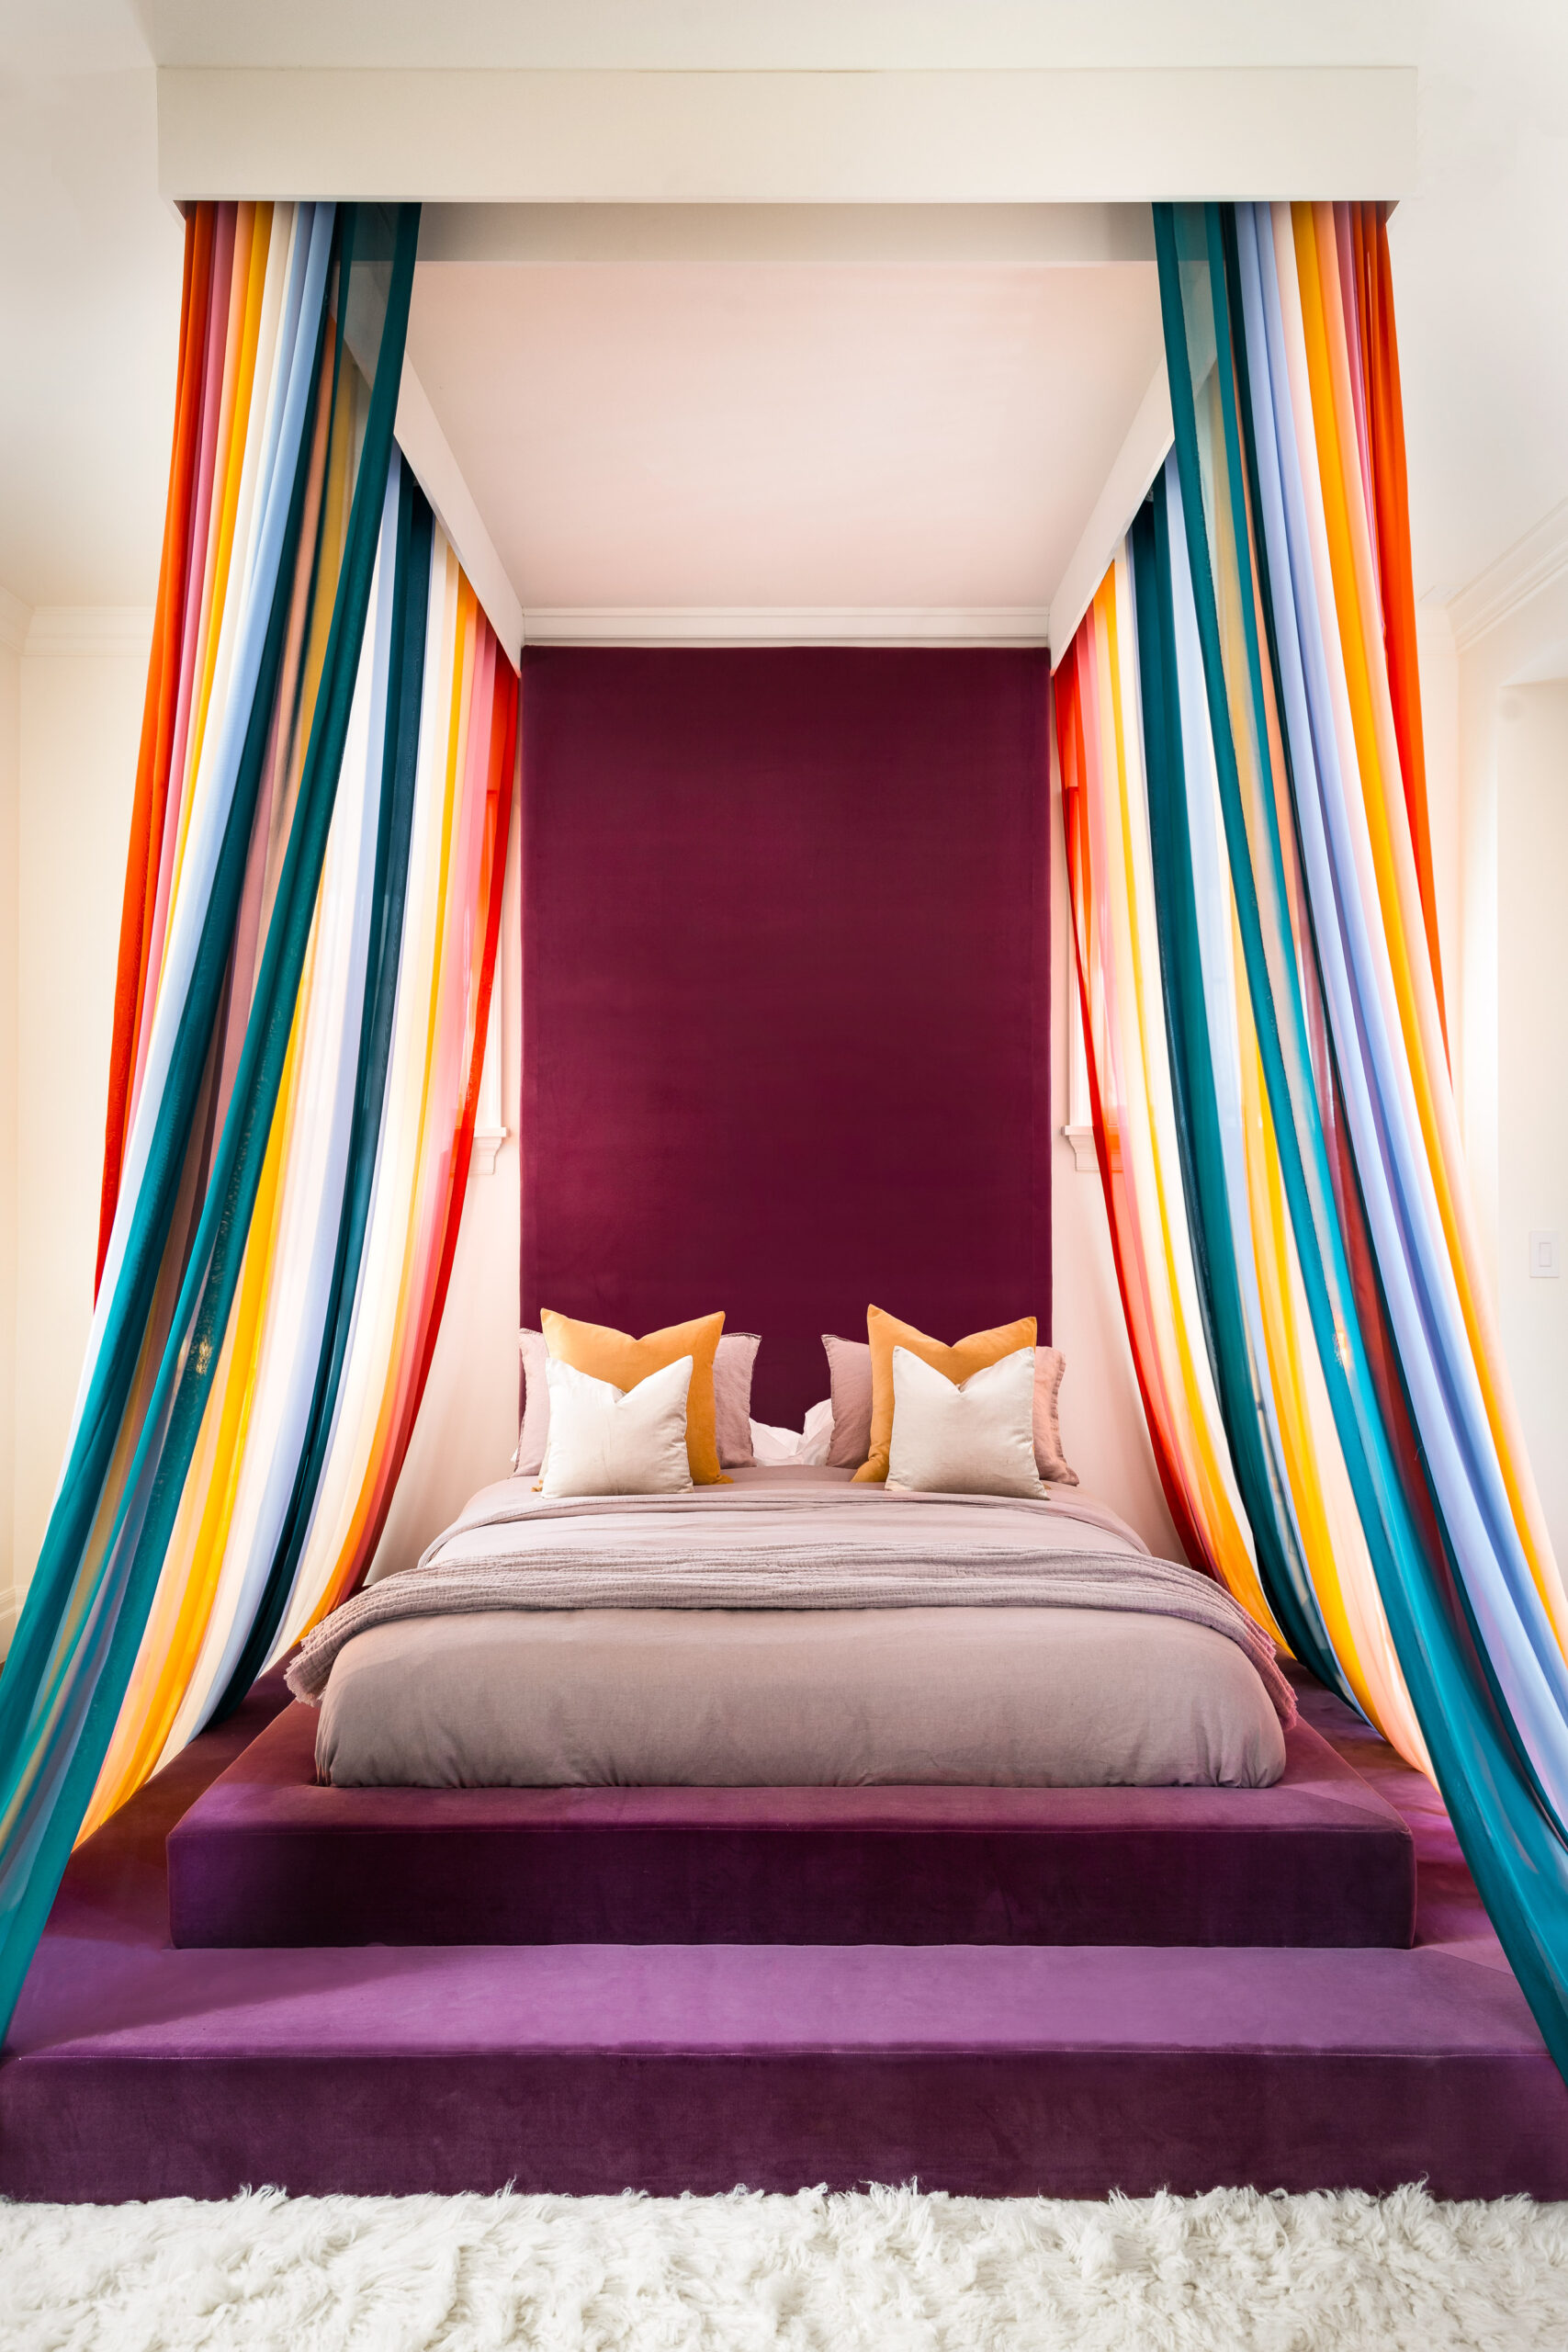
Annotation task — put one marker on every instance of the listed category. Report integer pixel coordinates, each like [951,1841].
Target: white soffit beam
[1139,459]
[425,446]
[1030,137]
[1006,624]
[972,236]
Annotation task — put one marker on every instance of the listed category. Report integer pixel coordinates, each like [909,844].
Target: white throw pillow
[816,1435]
[802,1449]
[772,1447]
[609,1441]
[971,1437]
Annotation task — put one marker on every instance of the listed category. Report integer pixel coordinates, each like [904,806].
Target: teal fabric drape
[1215,1195]
[332,318]
[400,753]
[1293,539]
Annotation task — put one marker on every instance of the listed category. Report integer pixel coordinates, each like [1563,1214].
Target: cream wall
[82,675]
[1532,1072]
[1511,662]
[1525,644]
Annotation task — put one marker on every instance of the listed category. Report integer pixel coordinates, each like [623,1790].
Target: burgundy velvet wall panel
[787,993]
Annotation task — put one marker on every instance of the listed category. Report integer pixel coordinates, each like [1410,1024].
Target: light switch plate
[1546,1254]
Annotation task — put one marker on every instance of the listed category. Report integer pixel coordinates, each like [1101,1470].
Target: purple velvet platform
[136,2070]
[588,2068]
[268,1857]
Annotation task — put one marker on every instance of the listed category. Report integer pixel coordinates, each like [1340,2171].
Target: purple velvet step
[267,1858]
[592,2068]
[134,2070]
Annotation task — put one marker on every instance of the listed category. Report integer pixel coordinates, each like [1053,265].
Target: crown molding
[14,617]
[1531,564]
[66,632]
[1017,625]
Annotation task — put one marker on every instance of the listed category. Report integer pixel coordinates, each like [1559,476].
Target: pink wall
[785,986]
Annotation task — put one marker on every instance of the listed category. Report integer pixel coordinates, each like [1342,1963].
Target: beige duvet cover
[1155,1686]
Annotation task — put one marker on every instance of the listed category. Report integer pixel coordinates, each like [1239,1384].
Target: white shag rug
[891,2269]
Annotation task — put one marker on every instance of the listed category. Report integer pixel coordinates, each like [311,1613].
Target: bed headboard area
[786,989]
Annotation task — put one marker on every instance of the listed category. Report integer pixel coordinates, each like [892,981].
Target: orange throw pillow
[615,1356]
[973,1354]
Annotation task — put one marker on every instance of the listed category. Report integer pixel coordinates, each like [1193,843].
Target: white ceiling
[721,434]
[797,432]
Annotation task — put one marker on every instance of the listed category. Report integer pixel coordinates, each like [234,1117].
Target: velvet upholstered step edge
[267,1857]
[591,2068]
[135,2070]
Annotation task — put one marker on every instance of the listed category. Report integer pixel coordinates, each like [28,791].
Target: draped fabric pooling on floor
[1238,729]
[308,946]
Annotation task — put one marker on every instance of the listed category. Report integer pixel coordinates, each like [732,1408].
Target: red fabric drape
[150,807]
[1385,424]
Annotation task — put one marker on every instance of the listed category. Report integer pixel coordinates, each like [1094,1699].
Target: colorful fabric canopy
[1238,725]
[309,940]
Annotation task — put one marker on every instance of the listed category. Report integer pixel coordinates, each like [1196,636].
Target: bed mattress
[864,1640]
[1009,1698]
